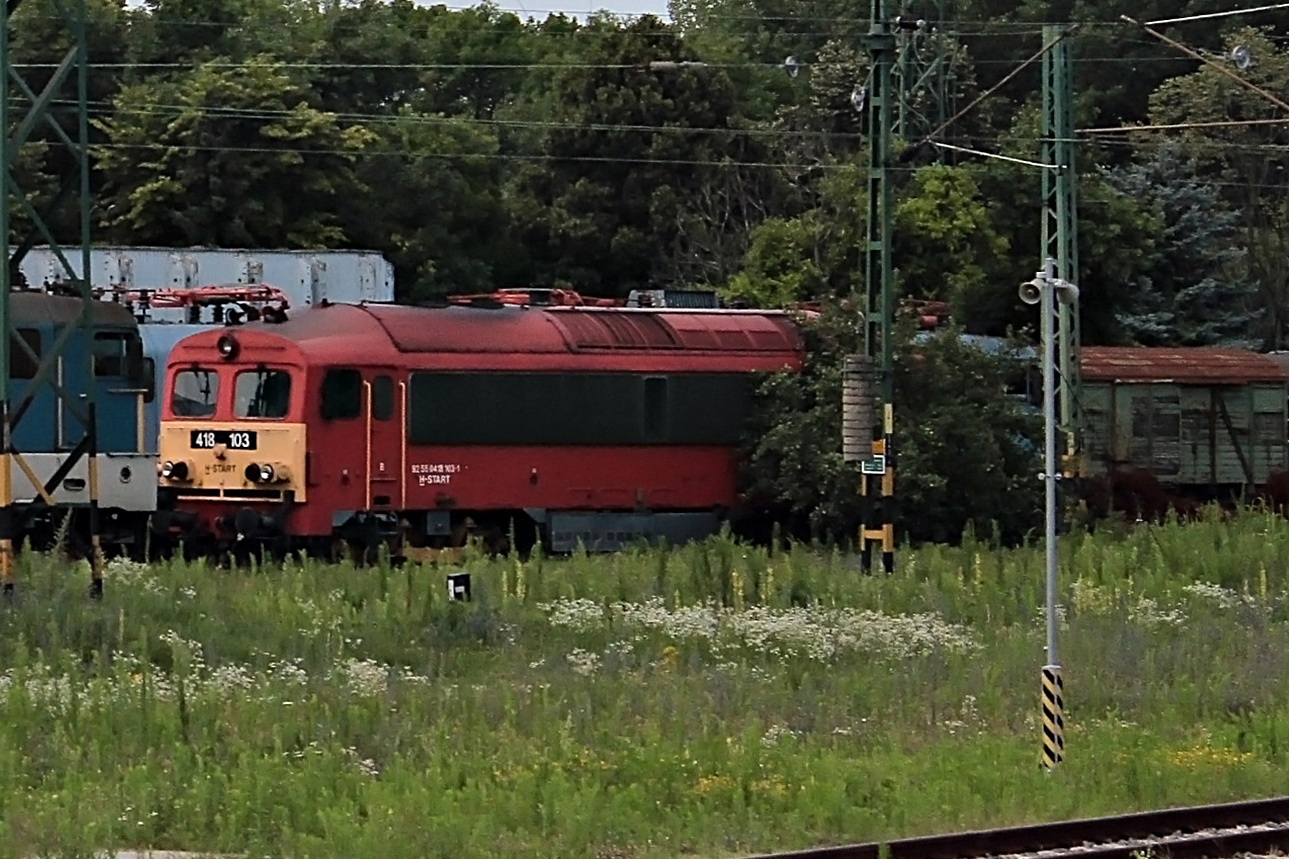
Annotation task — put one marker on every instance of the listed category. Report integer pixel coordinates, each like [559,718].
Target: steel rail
[1182,833]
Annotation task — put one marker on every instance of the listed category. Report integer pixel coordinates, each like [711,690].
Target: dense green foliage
[478,149]
[964,451]
[708,701]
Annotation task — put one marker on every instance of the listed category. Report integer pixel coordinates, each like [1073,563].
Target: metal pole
[1049,448]
[87,297]
[879,294]
[6,285]
[1052,698]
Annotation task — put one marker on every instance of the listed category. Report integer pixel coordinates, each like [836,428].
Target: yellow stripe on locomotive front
[234,461]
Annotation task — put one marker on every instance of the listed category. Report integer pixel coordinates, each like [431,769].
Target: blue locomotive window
[342,394]
[21,365]
[117,353]
[194,393]
[262,394]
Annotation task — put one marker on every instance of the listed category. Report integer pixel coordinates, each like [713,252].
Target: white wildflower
[1148,613]
[181,647]
[775,734]
[579,614]
[1216,594]
[365,678]
[288,672]
[815,633]
[227,679]
[583,662]
[366,766]
[122,570]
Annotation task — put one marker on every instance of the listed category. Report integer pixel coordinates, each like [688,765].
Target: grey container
[306,277]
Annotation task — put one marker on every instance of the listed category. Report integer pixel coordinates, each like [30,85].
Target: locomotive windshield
[262,394]
[194,393]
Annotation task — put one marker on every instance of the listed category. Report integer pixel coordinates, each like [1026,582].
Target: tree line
[477,149]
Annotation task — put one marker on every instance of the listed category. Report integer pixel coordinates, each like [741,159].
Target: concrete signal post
[1047,291]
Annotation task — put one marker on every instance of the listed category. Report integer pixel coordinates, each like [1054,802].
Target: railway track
[1209,831]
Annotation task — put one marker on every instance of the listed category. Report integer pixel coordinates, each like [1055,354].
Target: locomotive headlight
[267,472]
[226,345]
[174,470]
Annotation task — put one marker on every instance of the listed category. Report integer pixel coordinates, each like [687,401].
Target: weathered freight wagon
[1210,421]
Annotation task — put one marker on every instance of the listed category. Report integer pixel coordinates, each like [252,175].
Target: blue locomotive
[49,427]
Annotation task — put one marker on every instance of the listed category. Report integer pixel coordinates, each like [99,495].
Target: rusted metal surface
[1193,366]
[1206,830]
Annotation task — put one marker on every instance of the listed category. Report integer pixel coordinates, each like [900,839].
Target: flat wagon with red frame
[590,425]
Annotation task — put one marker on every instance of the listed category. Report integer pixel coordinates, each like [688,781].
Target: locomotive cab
[232,436]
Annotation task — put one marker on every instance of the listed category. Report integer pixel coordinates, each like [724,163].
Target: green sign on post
[873,465]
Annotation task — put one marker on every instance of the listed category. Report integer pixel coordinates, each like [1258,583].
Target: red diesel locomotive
[371,423]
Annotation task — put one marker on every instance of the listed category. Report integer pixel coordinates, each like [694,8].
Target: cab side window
[342,394]
[22,365]
[117,354]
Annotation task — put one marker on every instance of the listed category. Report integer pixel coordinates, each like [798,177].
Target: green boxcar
[1192,417]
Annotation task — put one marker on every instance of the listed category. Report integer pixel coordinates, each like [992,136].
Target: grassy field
[705,701]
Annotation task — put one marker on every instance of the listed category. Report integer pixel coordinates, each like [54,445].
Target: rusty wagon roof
[1182,366]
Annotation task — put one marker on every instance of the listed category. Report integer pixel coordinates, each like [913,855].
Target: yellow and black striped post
[880,508]
[1053,716]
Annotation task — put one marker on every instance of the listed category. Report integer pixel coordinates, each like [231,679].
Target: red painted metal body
[368,465]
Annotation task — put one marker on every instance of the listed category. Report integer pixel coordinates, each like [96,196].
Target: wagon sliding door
[1248,433]
[1148,429]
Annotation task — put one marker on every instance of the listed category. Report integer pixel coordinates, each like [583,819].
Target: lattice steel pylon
[909,93]
[924,78]
[877,481]
[1060,239]
[55,103]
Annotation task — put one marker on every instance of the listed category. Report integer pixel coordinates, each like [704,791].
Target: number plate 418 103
[231,439]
